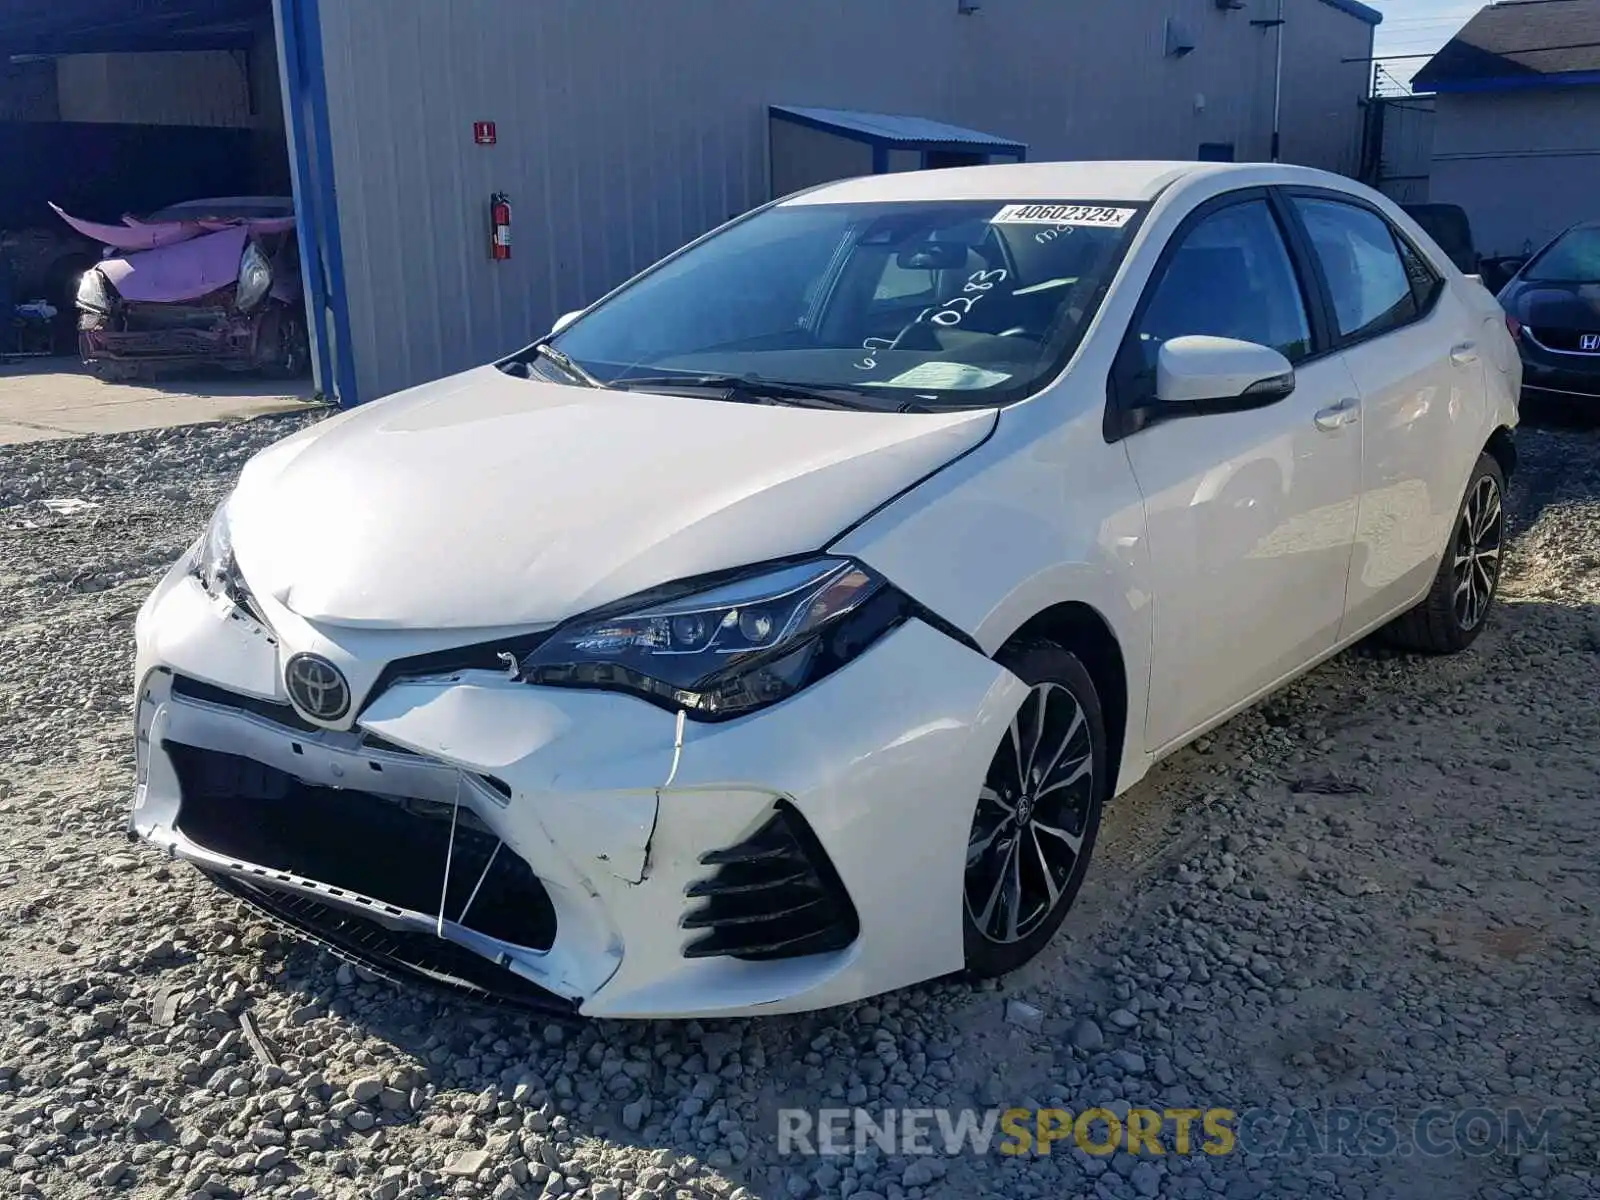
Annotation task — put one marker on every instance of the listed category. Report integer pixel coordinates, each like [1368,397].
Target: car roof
[1131,181]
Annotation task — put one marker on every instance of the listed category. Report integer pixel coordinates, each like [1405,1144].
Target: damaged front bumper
[580,848]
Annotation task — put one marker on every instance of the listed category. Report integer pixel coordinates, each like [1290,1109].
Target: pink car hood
[484,500]
[134,234]
[182,271]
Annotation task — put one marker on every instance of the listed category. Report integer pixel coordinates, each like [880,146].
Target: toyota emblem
[317,687]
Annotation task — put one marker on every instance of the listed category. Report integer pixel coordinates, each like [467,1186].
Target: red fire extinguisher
[500,226]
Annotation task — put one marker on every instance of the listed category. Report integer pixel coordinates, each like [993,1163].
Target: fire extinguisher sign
[483,133]
[499,226]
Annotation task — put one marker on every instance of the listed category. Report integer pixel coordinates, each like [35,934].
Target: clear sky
[1418,27]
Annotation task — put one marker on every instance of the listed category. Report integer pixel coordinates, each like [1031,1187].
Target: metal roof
[1356,9]
[883,129]
[1524,43]
[112,26]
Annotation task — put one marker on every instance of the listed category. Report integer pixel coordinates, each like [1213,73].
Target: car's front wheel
[1038,812]
[1453,613]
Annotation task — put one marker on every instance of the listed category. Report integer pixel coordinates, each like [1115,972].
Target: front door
[1250,515]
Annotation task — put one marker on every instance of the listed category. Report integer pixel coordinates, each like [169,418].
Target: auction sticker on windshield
[1063,214]
[946,376]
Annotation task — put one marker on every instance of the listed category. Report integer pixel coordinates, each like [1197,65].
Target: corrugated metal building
[623,128]
[1516,141]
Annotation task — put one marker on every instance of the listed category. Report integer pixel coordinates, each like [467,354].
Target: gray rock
[366,1089]
[1146,1179]
[1023,1014]
[1121,1018]
[1533,1166]
[464,1164]
[1128,1061]
[270,1158]
[111,1174]
[1086,1036]
[145,1116]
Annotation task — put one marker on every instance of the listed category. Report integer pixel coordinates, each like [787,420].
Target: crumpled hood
[484,500]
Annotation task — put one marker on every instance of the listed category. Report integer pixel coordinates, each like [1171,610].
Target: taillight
[1515,326]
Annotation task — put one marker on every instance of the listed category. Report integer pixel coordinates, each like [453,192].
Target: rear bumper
[625,833]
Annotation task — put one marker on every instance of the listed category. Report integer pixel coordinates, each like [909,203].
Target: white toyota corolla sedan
[772,634]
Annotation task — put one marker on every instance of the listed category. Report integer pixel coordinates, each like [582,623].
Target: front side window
[1230,276]
[1574,257]
[1372,291]
[948,302]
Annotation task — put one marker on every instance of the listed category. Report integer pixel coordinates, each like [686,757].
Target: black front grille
[1568,340]
[775,895]
[208,693]
[480,656]
[398,955]
[361,845]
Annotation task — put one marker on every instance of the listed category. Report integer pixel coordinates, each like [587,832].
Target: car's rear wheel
[1454,612]
[1038,812]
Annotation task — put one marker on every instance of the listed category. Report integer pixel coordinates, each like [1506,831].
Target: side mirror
[564,320]
[1198,375]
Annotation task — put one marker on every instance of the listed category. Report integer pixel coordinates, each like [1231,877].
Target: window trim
[1121,393]
[1338,341]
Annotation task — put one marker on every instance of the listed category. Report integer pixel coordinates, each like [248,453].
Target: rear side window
[1425,281]
[1373,292]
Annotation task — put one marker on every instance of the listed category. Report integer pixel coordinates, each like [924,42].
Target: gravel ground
[1374,891]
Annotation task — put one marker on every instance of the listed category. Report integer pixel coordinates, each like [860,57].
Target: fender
[1007,532]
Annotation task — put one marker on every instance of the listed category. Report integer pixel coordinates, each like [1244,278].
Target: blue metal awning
[884,131]
[50,27]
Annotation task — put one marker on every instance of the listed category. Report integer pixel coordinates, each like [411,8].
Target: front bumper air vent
[775,895]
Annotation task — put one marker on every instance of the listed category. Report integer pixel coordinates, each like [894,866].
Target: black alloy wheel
[1453,613]
[1037,814]
[1475,565]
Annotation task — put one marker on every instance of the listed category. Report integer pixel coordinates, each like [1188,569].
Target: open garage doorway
[147,221]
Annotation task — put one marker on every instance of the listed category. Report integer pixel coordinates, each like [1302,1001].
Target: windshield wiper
[567,365]
[750,388]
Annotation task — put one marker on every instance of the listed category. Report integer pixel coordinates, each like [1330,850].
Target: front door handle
[1337,416]
[1464,353]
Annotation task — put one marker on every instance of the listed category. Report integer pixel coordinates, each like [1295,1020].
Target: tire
[1456,608]
[1005,924]
[284,352]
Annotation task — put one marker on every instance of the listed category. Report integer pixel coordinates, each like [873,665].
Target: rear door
[1413,347]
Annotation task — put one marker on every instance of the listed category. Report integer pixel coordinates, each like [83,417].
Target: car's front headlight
[255,278]
[731,649]
[93,295]
[213,563]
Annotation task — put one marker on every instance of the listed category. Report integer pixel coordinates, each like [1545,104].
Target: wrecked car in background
[207,283]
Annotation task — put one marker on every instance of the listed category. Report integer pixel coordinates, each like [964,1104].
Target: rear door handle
[1337,416]
[1464,353]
